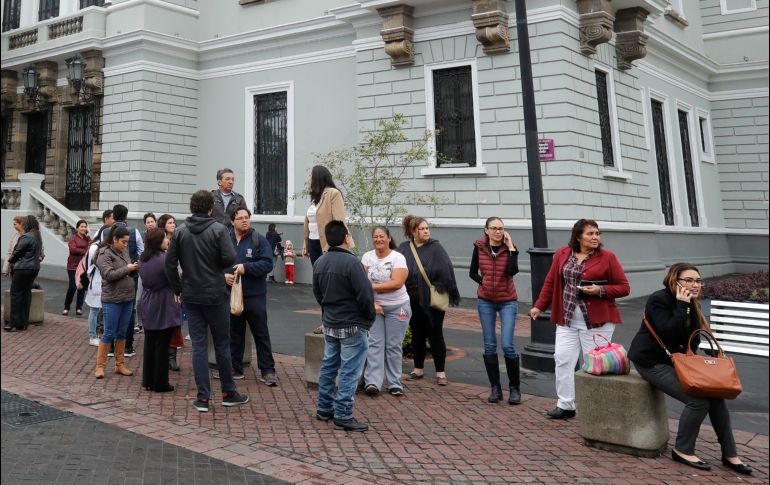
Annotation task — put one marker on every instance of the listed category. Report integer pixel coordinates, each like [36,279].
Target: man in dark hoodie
[203,249]
[345,294]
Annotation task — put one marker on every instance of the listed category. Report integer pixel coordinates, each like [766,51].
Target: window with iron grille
[270,153]
[91,3]
[661,155]
[453,114]
[80,149]
[689,175]
[6,125]
[11,14]
[48,9]
[605,118]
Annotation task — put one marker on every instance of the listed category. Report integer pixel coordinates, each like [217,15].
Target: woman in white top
[93,294]
[387,271]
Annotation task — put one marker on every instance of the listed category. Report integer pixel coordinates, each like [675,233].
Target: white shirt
[94,293]
[381,271]
[312,222]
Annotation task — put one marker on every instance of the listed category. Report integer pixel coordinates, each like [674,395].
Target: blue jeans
[201,319]
[346,355]
[117,317]
[488,314]
[93,321]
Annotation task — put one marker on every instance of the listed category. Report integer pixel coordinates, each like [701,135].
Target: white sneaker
[93,341]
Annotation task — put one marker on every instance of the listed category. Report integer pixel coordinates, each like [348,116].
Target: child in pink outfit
[288,262]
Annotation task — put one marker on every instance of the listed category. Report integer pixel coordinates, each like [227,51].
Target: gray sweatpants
[664,377]
[385,355]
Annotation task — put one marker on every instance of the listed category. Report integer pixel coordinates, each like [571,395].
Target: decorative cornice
[491,22]
[397,33]
[596,22]
[630,39]
[736,33]
[155,3]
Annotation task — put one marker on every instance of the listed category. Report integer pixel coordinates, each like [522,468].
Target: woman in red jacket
[494,262]
[580,288]
[78,246]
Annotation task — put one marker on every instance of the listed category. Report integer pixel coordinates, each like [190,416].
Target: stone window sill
[676,17]
[434,171]
[616,175]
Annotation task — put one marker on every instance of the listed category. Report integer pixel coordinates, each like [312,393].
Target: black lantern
[76,73]
[31,80]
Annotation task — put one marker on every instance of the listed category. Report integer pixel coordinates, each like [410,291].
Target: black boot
[512,366]
[172,363]
[493,371]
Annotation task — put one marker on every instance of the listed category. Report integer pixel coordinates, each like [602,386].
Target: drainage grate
[18,411]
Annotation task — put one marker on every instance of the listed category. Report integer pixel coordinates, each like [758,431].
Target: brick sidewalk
[436,435]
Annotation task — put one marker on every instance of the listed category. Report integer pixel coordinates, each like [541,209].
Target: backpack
[82,278]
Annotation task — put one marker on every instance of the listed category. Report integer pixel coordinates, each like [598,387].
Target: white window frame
[672,172]
[708,155]
[615,172]
[696,160]
[249,188]
[430,121]
[725,9]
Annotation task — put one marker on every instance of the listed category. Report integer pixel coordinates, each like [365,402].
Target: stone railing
[69,26]
[60,220]
[22,39]
[11,195]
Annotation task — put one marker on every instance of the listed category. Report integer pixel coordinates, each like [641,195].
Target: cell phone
[680,286]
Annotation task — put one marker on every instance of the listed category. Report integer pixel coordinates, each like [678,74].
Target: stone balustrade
[22,39]
[69,26]
[11,196]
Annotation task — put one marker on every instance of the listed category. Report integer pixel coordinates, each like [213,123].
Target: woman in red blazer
[580,288]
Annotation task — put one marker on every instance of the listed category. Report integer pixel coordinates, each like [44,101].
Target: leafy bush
[751,287]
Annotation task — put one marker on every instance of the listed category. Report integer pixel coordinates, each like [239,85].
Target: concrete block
[624,414]
[36,310]
[246,350]
[314,355]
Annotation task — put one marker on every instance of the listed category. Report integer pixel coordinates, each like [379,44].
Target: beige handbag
[438,301]
[236,297]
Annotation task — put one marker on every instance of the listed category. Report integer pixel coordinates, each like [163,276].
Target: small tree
[371,175]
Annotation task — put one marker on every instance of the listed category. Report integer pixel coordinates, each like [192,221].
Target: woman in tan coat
[326,205]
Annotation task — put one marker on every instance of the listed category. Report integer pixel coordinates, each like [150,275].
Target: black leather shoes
[700,464]
[515,396]
[740,467]
[324,415]
[496,395]
[350,425]
[559,413]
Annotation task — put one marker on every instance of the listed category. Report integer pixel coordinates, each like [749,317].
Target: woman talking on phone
[494,262]
[674,313]
[581,288]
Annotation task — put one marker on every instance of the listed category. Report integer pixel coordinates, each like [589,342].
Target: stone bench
[314,355]
[246,350]
[36,310]
[624,414]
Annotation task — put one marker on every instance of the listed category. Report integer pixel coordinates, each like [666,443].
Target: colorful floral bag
[606,359]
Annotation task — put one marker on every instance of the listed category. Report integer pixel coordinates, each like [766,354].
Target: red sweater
[603,265]
[78,248]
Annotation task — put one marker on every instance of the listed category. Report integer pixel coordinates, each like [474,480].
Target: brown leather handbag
[703,375]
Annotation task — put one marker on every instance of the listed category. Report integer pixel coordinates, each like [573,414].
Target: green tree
[372,175]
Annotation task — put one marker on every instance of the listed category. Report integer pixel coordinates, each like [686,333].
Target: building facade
[658,112]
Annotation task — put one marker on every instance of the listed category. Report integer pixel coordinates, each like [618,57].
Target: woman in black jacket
[426,322]
[674,314]
[25,264]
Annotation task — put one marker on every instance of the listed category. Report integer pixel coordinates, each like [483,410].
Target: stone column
[596,21]
[9,79]
[398,34]
[491,22]
[630,39]
[48,72]
[29,13]
[94,75]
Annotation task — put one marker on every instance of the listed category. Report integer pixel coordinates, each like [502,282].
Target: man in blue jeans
[203,249]
[343,290]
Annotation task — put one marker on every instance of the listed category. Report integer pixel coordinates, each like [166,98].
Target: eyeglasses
[691,281]
[496,229]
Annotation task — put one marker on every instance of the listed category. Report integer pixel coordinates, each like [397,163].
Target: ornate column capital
[48,72]
[630,39]
[491,21]
[398,34]
[9,79]
[596,21]
[94,74]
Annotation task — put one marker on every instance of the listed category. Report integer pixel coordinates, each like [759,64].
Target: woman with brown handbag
[674,313]
[427,261]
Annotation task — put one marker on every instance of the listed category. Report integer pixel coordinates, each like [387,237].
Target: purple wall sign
[546,149]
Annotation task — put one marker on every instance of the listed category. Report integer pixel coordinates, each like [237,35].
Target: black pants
[430,327]
[71,292]
[155,368]
[314,250]
[132,323]
[664,377]
[21,296]
[255,315]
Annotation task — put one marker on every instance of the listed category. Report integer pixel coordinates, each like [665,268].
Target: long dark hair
[320,179]
[384,229]
[577,231]
[152,244]
[162,220]
[670,282]
[114,232]
[31,225]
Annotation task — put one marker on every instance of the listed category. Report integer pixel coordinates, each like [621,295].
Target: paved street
[435,434]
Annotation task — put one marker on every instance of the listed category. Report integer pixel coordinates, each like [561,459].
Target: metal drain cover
[18,411]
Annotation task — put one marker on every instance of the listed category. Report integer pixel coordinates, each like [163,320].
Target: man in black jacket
[226,200]
[343,290]
[203,249]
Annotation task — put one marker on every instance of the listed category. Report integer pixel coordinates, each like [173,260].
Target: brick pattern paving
[433,435]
